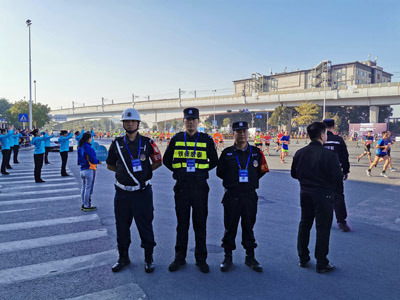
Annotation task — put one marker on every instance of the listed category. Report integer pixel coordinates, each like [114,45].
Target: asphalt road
[50,249]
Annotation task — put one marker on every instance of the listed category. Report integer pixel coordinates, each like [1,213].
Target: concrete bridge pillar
[373,114]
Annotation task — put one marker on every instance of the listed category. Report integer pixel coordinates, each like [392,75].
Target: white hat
[130,114]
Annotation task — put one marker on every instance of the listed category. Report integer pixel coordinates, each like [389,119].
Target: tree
[4,106]
[174,124]
[226,121]
[144,125]
[279,117]
[306,113]
[40,113]
[154,128]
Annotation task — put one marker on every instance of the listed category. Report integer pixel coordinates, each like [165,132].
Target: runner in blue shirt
[382,148]
[285,140]
[368,141]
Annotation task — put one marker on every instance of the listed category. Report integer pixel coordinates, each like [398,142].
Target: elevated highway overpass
[153,111]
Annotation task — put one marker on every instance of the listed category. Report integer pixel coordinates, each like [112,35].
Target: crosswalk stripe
[52,240]
[15,210]
[49,222]
[6,177]
[29,171]
[47,180]
[56,267]
[5,195]
[24,187]
[128,291]
[35,200]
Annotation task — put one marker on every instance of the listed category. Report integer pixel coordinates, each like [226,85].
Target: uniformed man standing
[336,143]
[240,166]
[319,173]
[190,155]
[129,157]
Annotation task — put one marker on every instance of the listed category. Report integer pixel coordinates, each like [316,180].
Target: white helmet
[130,114]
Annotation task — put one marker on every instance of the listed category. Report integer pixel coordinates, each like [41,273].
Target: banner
[361,129]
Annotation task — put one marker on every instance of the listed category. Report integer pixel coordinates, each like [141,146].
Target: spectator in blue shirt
[88,162]
[5,149]
[47,138]
[285,140]
[38,154]
[16,137]
[64,148]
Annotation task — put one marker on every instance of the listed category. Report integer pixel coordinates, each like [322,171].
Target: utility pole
[73,107]
[133,100]
[102,103]
[214,125]
[195,94]
[35,89]
[180,98]
[29,23]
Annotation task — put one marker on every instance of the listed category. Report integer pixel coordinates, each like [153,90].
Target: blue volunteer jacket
[16,139]
[64,142]
[7,140]
[38,142]
[47,138]
[86,151]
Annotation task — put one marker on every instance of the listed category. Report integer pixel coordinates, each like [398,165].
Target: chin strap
[131,131]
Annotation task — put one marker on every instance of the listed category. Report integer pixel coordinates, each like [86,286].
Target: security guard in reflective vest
[190,155]
[129,157]
[240,166]
[337,144]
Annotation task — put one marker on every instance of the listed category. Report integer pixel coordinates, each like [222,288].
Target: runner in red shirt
[267,141]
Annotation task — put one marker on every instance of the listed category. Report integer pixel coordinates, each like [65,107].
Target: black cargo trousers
[191,196]
[315,204]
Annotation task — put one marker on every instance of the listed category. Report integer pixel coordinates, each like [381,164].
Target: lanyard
[195,145]
[248,160]
[140,145]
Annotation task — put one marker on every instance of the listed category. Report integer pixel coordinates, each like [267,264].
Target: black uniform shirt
[114,159]
[317,167]
[337,144]
[180,174]
[228,168]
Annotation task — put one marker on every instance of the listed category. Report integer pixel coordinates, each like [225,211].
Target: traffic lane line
[36,200]
[128,291]
[6,195]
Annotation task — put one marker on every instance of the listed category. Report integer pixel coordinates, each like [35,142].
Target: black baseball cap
[240,125]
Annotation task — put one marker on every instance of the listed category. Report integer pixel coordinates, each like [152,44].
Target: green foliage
[175,124]
[40,113]
[4,106]
[226,121]
[306,113]
[280,116]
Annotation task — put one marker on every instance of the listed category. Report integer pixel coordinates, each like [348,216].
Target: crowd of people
[321,167]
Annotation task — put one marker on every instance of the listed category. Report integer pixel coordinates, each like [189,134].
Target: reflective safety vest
[180,155]
[258,139]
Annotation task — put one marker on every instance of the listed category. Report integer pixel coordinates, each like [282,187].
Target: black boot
[251,261]
[148,260]
[123,260]
[227,263]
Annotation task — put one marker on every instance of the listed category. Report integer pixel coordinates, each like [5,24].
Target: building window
[357,81]
[358,72]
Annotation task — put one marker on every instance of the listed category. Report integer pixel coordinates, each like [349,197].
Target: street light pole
[325,75]
[214,108]
[28,23]
[35,89]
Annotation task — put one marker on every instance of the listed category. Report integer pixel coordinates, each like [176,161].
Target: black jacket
[336,143]
[228,168]
[205,148]
[317,168]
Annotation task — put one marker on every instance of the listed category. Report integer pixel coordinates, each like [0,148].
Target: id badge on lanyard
[243,175]
[191,165]
[136,165]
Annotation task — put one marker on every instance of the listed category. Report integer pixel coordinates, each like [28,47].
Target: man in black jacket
[336,144]
[240,166]
[319,174]
[190,155]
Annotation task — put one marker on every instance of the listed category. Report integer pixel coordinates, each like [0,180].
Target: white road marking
[35,200]
[25,187]
[49,222]
[128,291]
[5,195]
[32,180]
[44,176]
[56,267]
[52,240]
[15,210]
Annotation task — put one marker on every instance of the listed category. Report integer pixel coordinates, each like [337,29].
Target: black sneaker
[40,181]
[91,208]
[303,263]
[149,266]
[176,265]
[5,173]
[203,266]
[344,227]
[226,264]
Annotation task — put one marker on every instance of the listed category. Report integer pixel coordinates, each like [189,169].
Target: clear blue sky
[85,50]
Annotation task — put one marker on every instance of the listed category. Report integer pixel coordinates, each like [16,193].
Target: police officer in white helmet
[133,158]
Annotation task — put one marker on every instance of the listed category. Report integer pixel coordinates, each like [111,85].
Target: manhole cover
[212,249]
